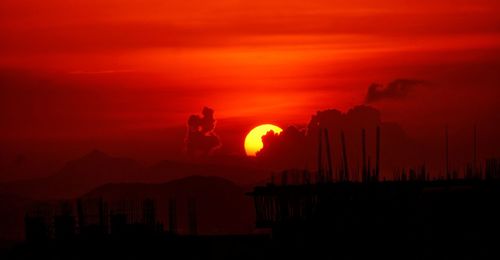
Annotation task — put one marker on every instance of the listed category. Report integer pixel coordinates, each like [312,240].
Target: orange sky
[88,68]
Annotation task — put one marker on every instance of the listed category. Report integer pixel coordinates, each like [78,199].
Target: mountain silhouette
[170,170]
[223,207]
[77,177]
[97,168]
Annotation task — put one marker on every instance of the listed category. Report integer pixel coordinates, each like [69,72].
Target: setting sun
[253,140]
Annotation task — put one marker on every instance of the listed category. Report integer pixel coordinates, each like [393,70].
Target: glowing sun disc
[253,140]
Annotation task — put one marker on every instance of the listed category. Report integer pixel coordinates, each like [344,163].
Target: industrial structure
[95,218]
[411,208]
[334,211]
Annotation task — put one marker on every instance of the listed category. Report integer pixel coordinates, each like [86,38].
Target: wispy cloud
[101,71]
[396,89]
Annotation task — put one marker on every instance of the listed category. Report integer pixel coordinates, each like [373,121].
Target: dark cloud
[201,139]
[290,141]
[397,89]
[297,149]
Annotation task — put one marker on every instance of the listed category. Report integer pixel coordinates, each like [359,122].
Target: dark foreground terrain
[446,219]
[256,247]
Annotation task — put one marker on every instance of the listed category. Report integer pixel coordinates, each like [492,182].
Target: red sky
[111,69]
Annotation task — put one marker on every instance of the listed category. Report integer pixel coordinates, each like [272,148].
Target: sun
[253,140]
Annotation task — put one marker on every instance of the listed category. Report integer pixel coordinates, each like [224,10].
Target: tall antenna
[363,151]
[148,212]
[377,158]
[328,156]
[474,167]
[81,214]
[369,172]
[447,153]
[102,215]
[320,155]
[193,225]
[172,216]
[344,157]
